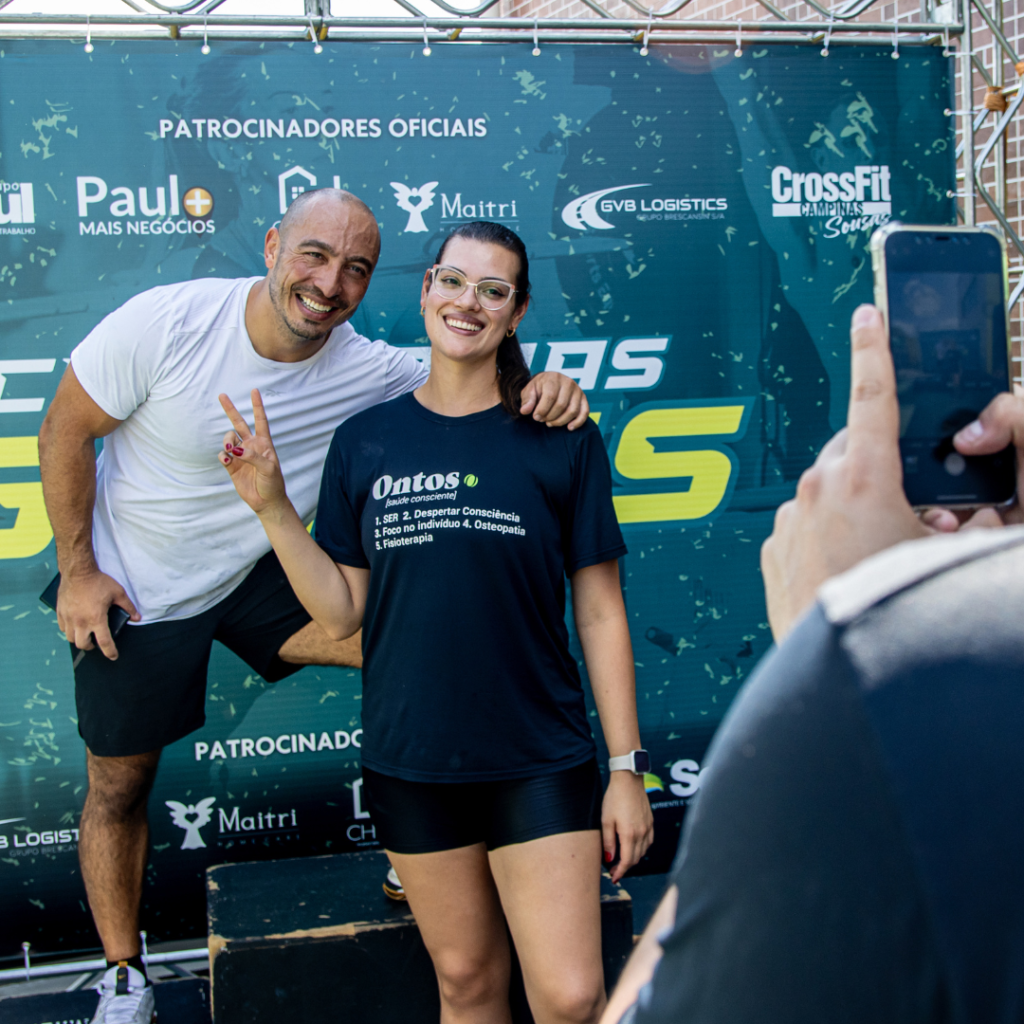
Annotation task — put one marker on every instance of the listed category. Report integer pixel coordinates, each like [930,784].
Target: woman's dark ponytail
[513,373]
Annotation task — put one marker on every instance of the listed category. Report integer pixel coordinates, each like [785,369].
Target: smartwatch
[636,761]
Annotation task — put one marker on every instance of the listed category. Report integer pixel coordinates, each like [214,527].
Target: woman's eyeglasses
[452,284]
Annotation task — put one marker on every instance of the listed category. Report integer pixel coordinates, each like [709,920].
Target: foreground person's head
[474,298]
[320,259]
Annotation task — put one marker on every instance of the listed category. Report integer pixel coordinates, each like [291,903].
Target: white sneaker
[125,998]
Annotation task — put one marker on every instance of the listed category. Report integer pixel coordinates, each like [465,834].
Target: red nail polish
[237,451]
[607,857]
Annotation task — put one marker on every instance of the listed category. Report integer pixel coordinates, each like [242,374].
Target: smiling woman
[447,525]
[487,310]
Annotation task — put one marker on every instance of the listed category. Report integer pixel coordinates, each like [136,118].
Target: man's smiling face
[321,259]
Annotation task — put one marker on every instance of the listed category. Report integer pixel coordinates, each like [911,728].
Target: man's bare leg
[114,832]
[112,844]
[312,646]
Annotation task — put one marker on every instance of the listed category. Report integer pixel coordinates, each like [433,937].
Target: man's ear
[271,248]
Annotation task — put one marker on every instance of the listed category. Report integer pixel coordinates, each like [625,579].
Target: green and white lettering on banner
[697,226]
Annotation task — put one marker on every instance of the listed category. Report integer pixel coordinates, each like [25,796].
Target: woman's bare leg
[550,891]
[459,915]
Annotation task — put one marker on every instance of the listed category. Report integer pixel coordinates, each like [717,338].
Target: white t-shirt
[168,524]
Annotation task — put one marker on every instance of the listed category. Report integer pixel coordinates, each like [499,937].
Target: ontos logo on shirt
[387,485]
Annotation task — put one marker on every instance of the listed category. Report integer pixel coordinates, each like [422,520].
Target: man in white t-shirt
[154,525]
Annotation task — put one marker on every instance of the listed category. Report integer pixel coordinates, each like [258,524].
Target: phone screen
[947,326]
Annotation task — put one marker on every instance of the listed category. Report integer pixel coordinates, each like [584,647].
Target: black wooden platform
[300,940]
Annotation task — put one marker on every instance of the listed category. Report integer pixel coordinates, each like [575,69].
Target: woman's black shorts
[426,817]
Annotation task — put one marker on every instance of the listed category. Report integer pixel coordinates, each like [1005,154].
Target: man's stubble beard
[300,333]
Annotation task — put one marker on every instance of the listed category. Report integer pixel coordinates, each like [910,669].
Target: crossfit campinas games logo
[824,195]
[847,201]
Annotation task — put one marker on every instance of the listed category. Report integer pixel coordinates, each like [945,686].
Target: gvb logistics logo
[123,210]
[590,211]
[25,840]
[17,208]
[846,201]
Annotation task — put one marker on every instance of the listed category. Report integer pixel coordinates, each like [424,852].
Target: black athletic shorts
[155,692]
[425,817]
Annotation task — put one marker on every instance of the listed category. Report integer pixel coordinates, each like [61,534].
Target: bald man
[154,525]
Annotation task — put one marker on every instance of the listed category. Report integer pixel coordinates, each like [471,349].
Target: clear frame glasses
[451,284]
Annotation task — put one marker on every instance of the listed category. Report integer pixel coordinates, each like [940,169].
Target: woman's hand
[250,459]
[626,814]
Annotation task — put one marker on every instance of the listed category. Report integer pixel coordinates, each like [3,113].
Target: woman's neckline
[471,417]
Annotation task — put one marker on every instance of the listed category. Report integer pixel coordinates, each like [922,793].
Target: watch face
[641,762]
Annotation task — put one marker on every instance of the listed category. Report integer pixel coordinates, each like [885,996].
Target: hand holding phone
[1001,423]
[116,615]
[850,504]
[942,292]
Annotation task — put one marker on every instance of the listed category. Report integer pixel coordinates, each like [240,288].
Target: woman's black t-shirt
[469,526]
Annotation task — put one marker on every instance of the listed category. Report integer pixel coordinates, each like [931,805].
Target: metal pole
[525,36]
[445,24]
[998,61]
[967,105]
[79,966]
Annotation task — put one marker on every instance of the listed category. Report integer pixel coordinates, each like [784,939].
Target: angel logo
[180,816]
[582,213]
[404,197]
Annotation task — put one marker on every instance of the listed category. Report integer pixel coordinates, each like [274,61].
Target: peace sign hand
[250,459]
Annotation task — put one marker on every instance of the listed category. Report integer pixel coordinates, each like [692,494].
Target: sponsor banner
[697,225]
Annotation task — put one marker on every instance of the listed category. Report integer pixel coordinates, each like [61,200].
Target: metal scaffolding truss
[199,18]
[985,128]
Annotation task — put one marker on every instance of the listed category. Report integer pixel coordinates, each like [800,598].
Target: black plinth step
[181,1001]
[296,940]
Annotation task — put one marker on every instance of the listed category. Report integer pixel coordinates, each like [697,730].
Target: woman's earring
[510,332]
[423,311]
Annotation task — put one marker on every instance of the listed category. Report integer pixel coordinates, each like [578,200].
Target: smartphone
[942,293]
[116,616]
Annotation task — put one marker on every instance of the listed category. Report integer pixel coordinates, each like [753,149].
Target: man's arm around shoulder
[67,465]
